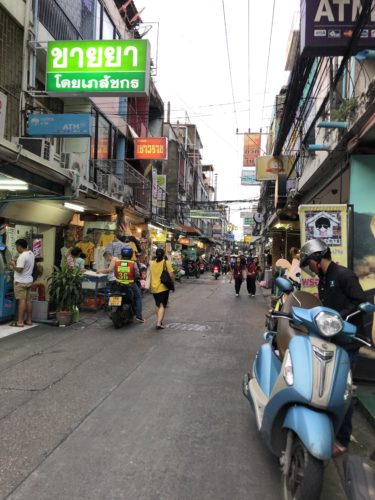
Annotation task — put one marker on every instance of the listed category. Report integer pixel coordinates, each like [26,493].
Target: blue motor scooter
[300,388]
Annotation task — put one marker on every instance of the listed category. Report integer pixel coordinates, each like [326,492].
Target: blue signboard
[66,125]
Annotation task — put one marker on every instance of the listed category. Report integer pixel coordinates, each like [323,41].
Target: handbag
[166,279]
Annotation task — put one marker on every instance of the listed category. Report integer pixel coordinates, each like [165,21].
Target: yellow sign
[330,224]
[268,167]
[247,239]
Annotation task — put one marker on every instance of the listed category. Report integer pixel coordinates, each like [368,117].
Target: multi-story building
[324,120]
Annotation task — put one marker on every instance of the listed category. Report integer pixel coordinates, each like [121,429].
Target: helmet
[126,252]
[315,250]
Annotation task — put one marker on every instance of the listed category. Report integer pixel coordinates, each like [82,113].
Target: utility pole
[215,186]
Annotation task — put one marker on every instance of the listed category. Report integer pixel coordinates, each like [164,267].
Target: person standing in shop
[23,279]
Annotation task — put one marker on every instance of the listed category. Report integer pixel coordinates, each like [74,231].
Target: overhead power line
[268,61]
[229,64]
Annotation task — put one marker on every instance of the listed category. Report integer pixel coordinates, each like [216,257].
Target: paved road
[89,412]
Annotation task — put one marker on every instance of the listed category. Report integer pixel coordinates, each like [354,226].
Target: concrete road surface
[89,412]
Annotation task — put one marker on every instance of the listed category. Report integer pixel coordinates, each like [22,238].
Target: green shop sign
[98,67]
[205,214]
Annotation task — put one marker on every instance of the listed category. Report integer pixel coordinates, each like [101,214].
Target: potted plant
[65,292]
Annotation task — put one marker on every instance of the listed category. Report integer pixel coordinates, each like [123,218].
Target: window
[103,139]
[104,27]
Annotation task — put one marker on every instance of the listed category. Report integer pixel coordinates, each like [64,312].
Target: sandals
[16,325]
[160,327]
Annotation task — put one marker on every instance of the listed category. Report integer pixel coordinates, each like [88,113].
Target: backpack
[35,271]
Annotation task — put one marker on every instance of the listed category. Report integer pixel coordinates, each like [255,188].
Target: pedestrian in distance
[23,279]
[238,273]
[159,291]
[339,289]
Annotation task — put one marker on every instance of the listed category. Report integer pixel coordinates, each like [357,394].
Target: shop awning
[187,229]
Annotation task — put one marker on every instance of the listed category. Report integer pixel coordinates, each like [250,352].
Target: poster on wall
[330,224]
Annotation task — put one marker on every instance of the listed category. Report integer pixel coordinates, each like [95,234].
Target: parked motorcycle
[300,388]
[120,305]
[216,271]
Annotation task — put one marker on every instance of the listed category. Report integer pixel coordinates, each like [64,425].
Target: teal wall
[362,183]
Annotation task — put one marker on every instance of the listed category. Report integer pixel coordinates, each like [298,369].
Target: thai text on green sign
[98,67]
[249,221]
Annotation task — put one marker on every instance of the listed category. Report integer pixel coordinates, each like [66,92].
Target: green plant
[346,109]
[65,288]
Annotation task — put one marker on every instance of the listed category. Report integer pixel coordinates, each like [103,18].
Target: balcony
[119,180]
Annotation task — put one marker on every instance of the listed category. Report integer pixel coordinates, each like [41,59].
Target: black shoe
[140,320]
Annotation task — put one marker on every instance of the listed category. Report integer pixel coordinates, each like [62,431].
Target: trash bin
[40,310]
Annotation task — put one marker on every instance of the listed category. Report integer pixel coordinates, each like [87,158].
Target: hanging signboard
[204,214]
[251,149]
[154,193]
[268,167]
[162,190]
[329,223]
[151,148]
[246,214]
[327,27]
[249,221]
[98,67]
[248,178]
[64,125]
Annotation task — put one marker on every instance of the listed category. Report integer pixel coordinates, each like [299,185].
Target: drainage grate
[188,327]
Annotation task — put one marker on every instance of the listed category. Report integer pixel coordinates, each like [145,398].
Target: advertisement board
[251,149]
[329,223]
[98,67]
[327,27]
[248,178]
[268,167]
[151,148]
[64,125]
[204,214]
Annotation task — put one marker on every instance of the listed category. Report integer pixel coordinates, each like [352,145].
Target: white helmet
[315,250]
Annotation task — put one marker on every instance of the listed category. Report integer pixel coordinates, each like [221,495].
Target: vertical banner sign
[329,223]
[251,149]
[162,191]
[154,190]
[3,110]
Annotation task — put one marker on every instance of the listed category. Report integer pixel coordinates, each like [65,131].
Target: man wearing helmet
[127,273]
[339,289]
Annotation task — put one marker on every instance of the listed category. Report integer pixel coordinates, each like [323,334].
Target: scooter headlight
[328,324]
[288,370]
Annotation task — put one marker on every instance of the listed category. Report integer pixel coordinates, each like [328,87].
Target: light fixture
[13,187]
[73,206]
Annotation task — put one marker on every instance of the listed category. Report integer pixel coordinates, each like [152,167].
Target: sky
[193,73]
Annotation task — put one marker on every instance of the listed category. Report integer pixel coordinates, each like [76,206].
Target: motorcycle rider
[216,262]
[339,289]
[127,273]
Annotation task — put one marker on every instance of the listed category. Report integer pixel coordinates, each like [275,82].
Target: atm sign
[151,148]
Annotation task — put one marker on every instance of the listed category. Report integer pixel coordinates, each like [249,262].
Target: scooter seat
[285,329]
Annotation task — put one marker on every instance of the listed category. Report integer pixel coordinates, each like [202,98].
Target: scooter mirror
[284,285]
[367,307]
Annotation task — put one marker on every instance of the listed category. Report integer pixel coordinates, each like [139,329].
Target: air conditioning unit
[39,146]
[73,161]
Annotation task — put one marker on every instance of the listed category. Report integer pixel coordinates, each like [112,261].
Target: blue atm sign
[65,125]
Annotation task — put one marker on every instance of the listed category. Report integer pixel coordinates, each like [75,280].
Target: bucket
[40,310]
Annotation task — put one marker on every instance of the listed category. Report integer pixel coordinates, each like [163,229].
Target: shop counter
[93,290]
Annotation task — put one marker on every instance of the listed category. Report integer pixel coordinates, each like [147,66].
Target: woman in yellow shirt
[158,290]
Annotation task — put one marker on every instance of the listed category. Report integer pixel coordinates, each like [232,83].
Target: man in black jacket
[339,289]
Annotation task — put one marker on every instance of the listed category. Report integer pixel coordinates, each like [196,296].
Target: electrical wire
[268,61]
[248,58]
[229,64]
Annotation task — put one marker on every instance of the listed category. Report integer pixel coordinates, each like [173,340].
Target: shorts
[161,298]
[22,291]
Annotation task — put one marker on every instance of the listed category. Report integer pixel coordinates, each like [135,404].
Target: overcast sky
[193,73]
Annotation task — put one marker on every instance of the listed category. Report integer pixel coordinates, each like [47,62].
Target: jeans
[251,286]
[137,300]
[345,431]
[237,284]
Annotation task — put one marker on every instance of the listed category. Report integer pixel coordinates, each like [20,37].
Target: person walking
[23,279]
[251,278]
[339,289]
[238,272]
[159,291]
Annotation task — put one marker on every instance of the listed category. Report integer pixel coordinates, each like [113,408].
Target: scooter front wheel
[304,479]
